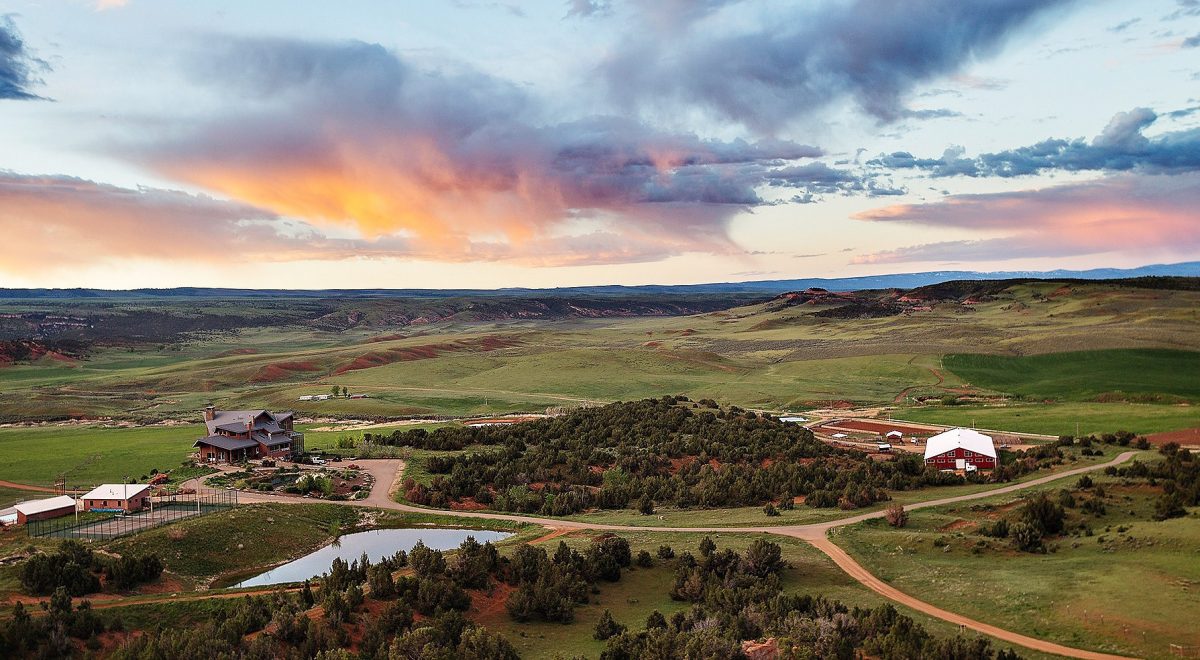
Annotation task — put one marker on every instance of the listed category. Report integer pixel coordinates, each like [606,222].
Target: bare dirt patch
[426,352]
[282,371]
[1185,437]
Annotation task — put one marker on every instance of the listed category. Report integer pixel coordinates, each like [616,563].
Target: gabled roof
[116,491]
[48,504]
[272,439]
[228,444]
[960,438]
[234,421]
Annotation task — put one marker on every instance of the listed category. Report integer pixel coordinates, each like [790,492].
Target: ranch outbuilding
[961,449]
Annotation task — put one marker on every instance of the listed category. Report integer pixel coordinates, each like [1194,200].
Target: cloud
[350,135]
[588,8]
[806,57]
[1120,147]
[1144,215]
[18,67]
[61,222]
[1192,41]
[1125,25]
[105,5]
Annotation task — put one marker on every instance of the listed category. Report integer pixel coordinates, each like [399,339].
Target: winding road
[388,472]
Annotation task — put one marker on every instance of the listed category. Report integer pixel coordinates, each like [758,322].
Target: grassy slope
[91,454]
[1140,580]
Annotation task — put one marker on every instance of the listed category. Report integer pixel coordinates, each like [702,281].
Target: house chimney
[209,413]
[250,427]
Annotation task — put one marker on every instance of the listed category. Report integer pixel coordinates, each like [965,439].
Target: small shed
[51,507]
[123,498]
[894,435]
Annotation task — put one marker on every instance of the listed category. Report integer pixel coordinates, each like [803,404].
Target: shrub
[895,515]
[770,510]
[644,559]
[606,627]
[1027,537]
[666,552]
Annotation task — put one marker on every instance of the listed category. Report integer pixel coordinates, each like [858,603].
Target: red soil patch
[766,650]
[958,525]
[488,608]
[678,464]
[767,462]
[877,427]
[687,333]
[425,352]
[714,464]
[467,504]
[1061,291]
[282,371]
[652,344]
[1185,437]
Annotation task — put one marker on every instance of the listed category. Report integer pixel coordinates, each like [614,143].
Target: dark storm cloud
[1120,147]
[1192,42]
[18,67]
[806,57]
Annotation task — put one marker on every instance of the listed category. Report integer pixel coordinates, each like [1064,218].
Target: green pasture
[89,455]
[1083,375]
[1060,418]
[1129,589]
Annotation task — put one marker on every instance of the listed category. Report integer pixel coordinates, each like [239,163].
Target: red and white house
[121,498]
[961,449]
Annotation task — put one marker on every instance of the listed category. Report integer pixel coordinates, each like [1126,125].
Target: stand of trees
[76,569]
[739,597]
[666,451]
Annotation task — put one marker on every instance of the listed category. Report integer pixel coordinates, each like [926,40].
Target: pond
[377,543]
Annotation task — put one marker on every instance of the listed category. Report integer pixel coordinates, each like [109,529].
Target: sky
[545,143]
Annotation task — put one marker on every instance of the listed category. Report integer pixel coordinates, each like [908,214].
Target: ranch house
[240,435]
[961,449]
[124,498]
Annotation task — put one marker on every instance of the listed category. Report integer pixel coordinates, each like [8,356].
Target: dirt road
[387,481]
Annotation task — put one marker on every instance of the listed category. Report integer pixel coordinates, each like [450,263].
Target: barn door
[960,464]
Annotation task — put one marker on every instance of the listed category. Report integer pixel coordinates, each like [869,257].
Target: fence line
[163,510]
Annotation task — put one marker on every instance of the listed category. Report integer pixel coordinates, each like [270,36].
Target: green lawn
[1083,375]
[89,455]
[1141,581]
[1061,418]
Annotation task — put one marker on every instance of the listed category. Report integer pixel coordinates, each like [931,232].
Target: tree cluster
[665,451]
[739,597]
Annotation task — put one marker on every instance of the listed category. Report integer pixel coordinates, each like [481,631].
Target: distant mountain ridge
[762,287]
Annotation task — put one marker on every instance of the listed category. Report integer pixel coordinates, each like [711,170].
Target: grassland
[761,356]
[1061,419]
[1128,589]
[1083,375]
[644,590]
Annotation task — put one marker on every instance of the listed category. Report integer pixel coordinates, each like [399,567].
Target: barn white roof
[41,506]
[115,491]
[956,438]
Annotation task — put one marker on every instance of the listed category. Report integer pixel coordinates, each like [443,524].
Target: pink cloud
[1130,214]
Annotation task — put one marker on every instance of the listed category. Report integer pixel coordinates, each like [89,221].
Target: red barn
[961,449]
